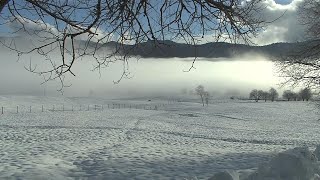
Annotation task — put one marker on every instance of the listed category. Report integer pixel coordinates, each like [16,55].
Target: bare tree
[305,94]
[273,94]
[255,94]
[295,96]
[302,65]
[288,94]
[265,95]
[206,97]
[201,92]
[60,25]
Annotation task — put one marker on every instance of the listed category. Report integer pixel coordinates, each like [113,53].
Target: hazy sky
[165,76]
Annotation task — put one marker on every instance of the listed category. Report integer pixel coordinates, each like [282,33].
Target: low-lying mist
[148,77]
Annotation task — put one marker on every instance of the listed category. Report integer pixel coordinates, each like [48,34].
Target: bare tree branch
[302,66]
[3,3]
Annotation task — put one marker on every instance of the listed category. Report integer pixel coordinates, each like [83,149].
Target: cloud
[99,35]
[284,26]
[280,5]
[37,28]
[23,26]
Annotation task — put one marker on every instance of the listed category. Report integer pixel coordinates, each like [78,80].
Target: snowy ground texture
[179,140]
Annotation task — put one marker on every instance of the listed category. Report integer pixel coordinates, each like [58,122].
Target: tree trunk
[3,3]
[202,100]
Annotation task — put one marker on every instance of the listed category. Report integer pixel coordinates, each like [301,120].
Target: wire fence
[67,108]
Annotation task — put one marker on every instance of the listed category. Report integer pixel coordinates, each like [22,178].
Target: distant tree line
[272,95]
[304,95]
[257,95]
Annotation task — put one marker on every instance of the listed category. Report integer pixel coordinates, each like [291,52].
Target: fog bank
[148,77]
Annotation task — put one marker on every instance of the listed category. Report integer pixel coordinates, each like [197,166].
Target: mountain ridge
[209,50]
[171,49]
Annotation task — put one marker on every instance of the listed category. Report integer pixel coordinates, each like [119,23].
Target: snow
[317,152]
[179,140]
[293,164]
[225,175]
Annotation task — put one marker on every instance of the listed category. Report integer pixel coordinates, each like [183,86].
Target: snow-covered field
[180,140]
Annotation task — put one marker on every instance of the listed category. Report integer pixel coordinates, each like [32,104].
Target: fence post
[17,109]
[42,108]
[1,110]
[72,108]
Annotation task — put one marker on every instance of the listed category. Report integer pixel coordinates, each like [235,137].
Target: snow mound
[294,164]
[226,175]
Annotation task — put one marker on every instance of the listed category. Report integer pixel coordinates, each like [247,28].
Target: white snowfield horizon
[176,140]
